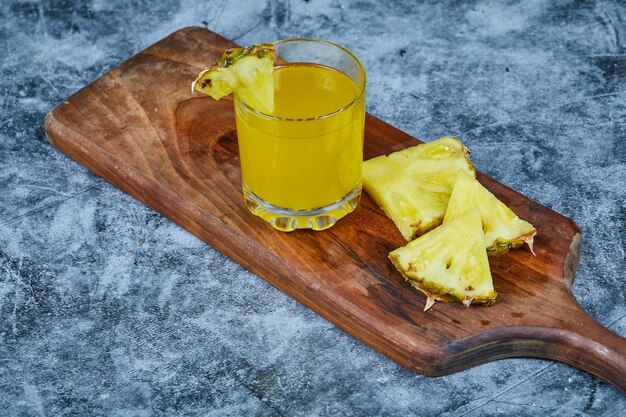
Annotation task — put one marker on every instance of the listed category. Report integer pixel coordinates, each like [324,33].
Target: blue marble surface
[107,308]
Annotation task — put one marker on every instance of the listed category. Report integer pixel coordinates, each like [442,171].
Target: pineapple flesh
[503,229]
[413,186]
[449,263]
[248,72]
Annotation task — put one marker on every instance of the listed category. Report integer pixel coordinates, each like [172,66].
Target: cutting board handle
[594,348]
[584,342]
[579,341]
[588,345]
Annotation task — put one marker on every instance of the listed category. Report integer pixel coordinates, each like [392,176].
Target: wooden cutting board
[139,127]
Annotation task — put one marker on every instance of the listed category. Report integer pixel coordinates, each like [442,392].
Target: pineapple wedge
[503,229]
[449,263]
[248,72]
[413,186]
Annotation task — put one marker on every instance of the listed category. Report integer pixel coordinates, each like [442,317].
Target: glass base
[287,220]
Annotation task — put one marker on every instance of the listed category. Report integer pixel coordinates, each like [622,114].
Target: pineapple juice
[308,153]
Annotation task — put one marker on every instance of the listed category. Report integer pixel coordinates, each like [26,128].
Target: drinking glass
[301,166]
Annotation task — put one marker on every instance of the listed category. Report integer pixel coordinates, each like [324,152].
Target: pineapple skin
[449,263]
[500,247]
[504,230]
[413,186]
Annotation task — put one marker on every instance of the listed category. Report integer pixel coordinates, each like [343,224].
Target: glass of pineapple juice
[301,164]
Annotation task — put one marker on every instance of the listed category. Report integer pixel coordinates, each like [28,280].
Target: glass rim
[357,97]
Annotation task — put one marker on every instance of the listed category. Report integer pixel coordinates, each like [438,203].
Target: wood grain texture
[139,127]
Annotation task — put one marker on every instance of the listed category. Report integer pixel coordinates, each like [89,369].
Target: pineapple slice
[413,186]
[449,263]
[245,71]
[503,229]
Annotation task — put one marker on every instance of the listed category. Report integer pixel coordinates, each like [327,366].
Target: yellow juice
[308,153]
